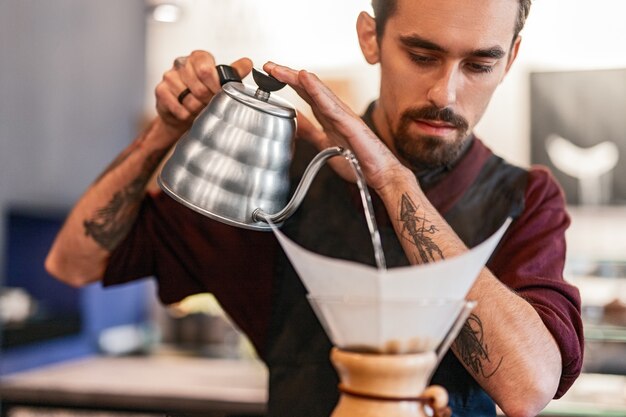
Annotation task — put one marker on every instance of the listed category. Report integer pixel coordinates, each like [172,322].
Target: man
[440,63]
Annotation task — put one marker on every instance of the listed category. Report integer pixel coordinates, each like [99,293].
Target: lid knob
[267,84]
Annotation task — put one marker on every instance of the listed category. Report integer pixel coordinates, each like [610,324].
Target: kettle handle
[227,74]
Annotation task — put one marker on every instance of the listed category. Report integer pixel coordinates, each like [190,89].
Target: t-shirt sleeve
[133,257]
[531,260]
[188,253]
[144,252]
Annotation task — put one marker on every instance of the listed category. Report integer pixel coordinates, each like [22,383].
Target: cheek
[400,90]
[401,85]
[388,99]
[475,101]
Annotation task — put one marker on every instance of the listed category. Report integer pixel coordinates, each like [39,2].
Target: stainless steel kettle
[233,164]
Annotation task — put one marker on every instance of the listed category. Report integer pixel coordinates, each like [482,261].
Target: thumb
[243,66]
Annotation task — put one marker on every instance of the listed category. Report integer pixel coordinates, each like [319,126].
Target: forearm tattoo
[473,350]
[416,228]
[110,224]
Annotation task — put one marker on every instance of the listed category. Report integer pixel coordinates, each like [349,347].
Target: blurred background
[76,86]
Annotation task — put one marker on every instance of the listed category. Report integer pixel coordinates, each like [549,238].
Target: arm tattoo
[415,231]
[110,224]
[473,350]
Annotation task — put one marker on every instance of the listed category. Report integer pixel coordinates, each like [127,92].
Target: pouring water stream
[307,178]
[366,199]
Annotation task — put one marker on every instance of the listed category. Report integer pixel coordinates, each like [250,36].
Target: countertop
[217,387]
[592,395]
[144,383]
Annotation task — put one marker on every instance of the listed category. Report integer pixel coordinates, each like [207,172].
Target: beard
[424,151]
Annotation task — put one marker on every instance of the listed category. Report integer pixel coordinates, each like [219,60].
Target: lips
[434,127]
[434,122]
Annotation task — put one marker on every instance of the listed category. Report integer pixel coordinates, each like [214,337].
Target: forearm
[504,345]
[104,215]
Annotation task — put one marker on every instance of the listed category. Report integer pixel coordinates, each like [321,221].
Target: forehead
[456,24]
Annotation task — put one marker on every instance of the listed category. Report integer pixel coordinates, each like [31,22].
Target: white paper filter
[448,278]
[406,309]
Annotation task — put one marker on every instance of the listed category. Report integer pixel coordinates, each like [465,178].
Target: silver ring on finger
[180,62]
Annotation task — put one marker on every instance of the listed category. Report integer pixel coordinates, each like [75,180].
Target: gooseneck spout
[303,187]
[258,215]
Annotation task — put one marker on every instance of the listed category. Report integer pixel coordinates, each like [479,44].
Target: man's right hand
[196,72]
[106,213]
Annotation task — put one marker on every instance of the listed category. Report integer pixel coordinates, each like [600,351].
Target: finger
[187,99]
[302,83]
[323,97]
[203,65]
[331,111]
[288,76]
[190,79]
[179,62]
[282,73]
[334,110]
[172,80]
[335,115]
[167,104]
[327,107]
[243,66]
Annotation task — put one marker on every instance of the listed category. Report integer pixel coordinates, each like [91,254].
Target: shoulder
[543,189]
[544,219]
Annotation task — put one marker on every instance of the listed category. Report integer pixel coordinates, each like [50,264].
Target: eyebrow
[415,41]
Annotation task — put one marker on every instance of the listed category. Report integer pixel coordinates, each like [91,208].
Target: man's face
[441,61]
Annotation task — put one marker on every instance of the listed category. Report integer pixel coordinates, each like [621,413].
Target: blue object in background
[30,232]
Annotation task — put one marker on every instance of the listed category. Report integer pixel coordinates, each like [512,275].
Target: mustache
[446,115]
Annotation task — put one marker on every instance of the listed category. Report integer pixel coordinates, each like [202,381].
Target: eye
[422,59]
[480,68]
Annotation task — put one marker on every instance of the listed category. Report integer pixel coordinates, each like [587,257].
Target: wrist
[160,135]
[395,180]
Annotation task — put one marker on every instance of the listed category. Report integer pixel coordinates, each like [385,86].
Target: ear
[512,55]
[366,31]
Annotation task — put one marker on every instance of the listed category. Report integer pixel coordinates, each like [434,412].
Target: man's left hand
[340,127]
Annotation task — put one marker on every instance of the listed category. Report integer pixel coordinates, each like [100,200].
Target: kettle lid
[260,98]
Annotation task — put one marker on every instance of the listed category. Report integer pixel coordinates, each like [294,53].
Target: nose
[443,91]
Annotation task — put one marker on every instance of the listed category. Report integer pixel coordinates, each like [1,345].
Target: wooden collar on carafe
[441,412]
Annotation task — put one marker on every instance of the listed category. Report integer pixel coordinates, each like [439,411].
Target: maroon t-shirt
[189,253]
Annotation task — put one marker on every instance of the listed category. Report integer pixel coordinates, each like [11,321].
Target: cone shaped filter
[399,310]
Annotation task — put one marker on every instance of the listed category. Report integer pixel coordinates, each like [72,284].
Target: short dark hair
[384,9]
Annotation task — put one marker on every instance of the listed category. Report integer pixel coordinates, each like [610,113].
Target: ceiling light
[166,13]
